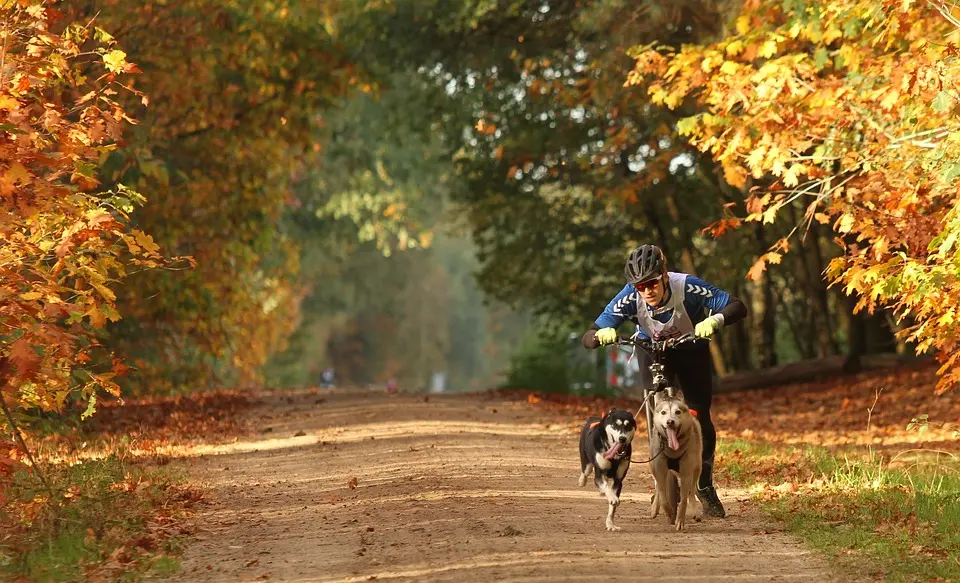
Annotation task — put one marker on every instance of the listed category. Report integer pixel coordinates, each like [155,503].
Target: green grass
[895,523]
[104,519]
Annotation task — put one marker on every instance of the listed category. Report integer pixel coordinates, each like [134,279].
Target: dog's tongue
[613,451]
[672,441]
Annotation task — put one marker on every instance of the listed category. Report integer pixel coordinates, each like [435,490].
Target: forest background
[204,194]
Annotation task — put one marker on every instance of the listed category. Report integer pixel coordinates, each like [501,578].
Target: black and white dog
[605,450]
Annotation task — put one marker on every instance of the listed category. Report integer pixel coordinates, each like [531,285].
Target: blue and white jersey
[687,301]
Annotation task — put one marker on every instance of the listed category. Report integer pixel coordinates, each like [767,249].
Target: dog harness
[595,423]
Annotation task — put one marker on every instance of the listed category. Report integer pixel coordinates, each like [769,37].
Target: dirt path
[447,489]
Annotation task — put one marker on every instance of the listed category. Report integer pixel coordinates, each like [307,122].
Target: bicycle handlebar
[656,345]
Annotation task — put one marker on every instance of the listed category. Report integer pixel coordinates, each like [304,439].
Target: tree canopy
[205,193]
[849,108]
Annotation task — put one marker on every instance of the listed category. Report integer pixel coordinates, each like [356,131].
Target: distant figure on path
[327,377]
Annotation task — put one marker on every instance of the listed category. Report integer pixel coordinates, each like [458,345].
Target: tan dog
[676,448]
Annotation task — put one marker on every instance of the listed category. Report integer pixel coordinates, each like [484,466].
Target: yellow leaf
[773,257]
[8,102]
[768,49]
[845,223]
[743,24]
[146,241]
[734,48]
[115,60]
[729,67]
[946,318]
[880,247]
[30,296]
[890,100]
[790,176]
[777,167]
[770,214]
[106,292]
[755,159]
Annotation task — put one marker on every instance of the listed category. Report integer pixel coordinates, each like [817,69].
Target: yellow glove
[606,336]
[707,328]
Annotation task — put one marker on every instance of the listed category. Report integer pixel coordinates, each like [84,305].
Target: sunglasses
[645,285]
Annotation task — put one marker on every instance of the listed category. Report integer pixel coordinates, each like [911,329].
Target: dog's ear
[679,395]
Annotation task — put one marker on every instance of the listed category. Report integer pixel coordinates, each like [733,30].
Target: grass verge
[100,520]
[895,519]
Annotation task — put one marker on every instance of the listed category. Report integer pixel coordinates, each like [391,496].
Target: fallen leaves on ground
[832,412]
[139,427]
[116,521]
[90,471]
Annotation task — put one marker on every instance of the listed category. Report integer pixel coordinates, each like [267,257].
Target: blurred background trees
[402,188]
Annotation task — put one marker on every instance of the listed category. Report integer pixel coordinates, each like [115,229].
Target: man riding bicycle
[666,305]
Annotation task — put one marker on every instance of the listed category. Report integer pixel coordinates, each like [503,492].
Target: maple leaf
[115,60]
[24,357]
[756,271]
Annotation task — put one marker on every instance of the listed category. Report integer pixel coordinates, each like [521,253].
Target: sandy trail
[450,488]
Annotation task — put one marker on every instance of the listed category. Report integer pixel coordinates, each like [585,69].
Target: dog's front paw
[679,523]
[612,527]
[582,481]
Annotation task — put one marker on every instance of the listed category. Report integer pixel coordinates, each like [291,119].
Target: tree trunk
[826,339]
[686,261]
[799,332]
[815,290]
[765,306]
[856,337]
[812,370]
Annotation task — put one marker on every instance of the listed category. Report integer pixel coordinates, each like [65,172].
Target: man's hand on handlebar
[606,336]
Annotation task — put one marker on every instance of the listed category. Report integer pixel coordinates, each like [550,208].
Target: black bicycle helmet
[645,262]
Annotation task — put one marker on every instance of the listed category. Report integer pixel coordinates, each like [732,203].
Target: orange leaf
[24,357]
[756,272]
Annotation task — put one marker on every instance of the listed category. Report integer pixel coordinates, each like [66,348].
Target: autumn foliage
[850,107]
[64,241]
